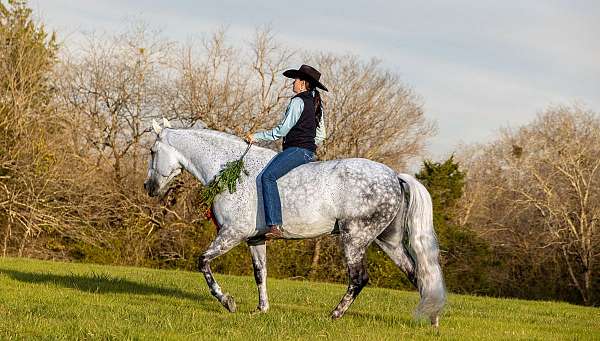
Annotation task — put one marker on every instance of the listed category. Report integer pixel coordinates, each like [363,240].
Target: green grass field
[50,300]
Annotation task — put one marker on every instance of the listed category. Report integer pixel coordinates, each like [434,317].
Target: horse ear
[199,124]
[157,128]
[166,123]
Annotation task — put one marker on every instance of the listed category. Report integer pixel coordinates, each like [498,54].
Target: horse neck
[204,152]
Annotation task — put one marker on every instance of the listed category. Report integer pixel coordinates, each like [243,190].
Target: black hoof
[229,303]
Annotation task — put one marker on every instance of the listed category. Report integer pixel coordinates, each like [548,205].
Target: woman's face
[299,86]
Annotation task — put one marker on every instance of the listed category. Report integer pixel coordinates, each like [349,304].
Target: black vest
[304,131]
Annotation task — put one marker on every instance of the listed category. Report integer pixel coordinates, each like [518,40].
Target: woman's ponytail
[318,103]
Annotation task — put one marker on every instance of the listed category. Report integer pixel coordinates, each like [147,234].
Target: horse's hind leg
[400,257]
[391,242]
[355,237]
[358,278]
[221,245]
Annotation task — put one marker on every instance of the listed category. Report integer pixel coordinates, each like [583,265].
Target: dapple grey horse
[361,200]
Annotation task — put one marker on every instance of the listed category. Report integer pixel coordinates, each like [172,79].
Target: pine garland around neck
[227,178]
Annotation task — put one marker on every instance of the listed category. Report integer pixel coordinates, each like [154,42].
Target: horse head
[164,163]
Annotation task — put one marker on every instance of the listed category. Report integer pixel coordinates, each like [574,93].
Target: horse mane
[201,132]
[227,138]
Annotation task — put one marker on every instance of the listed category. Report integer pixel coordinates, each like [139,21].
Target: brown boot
[275,232]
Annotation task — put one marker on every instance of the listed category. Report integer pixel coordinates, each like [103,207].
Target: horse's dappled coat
[363,198]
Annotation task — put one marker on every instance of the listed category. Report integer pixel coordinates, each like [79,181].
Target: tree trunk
[583,291]
[7,234]
[315,259]
[25,237]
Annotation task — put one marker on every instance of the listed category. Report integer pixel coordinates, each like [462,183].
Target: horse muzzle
[150,188]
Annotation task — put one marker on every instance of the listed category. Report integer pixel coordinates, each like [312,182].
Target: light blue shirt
[290,118]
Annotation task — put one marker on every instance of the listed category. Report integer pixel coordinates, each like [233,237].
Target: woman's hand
[249,138]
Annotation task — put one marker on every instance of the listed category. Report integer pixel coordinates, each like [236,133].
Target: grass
[50,300]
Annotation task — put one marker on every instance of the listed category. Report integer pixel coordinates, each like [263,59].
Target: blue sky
[477,65]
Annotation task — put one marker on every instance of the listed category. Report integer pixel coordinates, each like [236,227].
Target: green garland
[228,177]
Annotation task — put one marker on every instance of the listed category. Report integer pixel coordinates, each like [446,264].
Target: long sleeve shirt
[290,117]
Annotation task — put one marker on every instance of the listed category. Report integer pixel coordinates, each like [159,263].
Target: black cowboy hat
[306,72]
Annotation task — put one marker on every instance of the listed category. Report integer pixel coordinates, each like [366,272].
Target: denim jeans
[280,165]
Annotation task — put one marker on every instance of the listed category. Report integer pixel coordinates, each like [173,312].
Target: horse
[361,200]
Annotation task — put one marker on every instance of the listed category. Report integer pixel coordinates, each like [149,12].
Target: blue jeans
[279,166]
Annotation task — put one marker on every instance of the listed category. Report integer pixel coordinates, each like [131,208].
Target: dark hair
[316,101]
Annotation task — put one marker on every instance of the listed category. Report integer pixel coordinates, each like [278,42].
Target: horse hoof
[336,315]
[260,309]
[229,303]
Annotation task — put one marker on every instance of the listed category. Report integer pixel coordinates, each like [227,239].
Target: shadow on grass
[374,316]
[100,283]
[385,318]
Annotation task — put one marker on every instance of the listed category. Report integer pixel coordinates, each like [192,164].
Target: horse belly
[306,212]
[300,228]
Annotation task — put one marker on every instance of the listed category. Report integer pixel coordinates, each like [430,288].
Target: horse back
[338,189]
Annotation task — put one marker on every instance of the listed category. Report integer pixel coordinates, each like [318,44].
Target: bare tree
[370,113]
[538,188]
[231,89]
[210,85]
[270,91]
[112,88]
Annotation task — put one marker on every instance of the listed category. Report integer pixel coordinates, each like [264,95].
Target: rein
[246,152]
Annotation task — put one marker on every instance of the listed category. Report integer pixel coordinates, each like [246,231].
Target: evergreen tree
[465,257]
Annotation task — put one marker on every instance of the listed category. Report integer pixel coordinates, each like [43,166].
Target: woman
[302,128]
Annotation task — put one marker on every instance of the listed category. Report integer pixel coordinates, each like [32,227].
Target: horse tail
[423,247]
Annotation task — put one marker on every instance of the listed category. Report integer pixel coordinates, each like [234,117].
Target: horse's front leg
[259,261]
[221,245]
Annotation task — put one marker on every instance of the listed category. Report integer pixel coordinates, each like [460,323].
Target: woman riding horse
[368,201]
[302,129]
